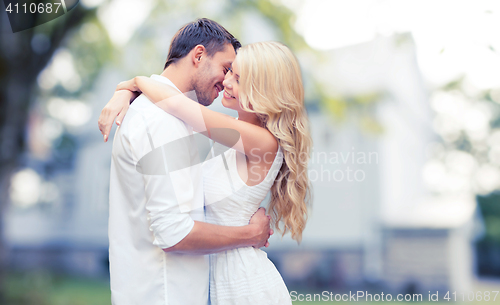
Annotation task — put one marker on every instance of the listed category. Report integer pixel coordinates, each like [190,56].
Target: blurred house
[382,229]
[372,223]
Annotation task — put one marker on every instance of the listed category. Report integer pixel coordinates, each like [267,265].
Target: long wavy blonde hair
[271,86]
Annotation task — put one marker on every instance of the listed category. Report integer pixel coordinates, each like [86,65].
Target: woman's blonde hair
[271,86]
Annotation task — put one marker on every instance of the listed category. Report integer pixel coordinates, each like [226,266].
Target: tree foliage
[21,60]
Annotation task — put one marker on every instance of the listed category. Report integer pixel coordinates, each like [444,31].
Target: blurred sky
[453,37]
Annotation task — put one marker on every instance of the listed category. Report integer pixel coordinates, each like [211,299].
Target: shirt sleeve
[163,157]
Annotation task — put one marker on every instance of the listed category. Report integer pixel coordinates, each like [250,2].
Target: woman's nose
[226,83]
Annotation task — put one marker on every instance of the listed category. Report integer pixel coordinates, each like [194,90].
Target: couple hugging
[183,231]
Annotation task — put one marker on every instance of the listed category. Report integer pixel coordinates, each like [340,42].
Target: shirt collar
[164,80]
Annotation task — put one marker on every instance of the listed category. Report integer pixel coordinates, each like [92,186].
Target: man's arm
[207,238]
[171,195]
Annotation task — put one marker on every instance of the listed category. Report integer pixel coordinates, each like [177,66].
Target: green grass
[42,288]
[367,303]
[393,303]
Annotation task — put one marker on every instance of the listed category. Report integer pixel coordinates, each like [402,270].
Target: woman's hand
[129,85]
[115,108]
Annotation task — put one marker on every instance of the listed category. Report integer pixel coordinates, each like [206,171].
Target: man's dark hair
[203,31]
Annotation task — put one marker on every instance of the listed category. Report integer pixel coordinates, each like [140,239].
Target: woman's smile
[227,95]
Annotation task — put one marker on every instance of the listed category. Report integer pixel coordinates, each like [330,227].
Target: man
[157,235]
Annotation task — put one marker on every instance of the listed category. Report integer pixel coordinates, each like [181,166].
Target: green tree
[21,60]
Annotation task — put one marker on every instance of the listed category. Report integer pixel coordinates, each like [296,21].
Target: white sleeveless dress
[245,275]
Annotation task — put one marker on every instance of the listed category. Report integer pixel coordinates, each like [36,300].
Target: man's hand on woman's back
[261,222]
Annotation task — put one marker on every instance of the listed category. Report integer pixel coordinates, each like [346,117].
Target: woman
[265,87]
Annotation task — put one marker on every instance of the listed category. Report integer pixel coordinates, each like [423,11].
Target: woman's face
[231,85]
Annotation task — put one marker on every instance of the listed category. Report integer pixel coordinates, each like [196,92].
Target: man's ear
[197,54]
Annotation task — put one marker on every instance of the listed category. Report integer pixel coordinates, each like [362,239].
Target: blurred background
[404,103]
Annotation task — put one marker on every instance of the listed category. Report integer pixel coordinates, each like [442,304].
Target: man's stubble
[202,85]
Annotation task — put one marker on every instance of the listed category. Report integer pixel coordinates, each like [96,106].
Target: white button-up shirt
[156,193]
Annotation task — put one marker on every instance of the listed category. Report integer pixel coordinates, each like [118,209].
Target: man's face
[207,82]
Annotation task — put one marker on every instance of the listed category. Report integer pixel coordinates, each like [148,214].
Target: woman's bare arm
[254,140]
